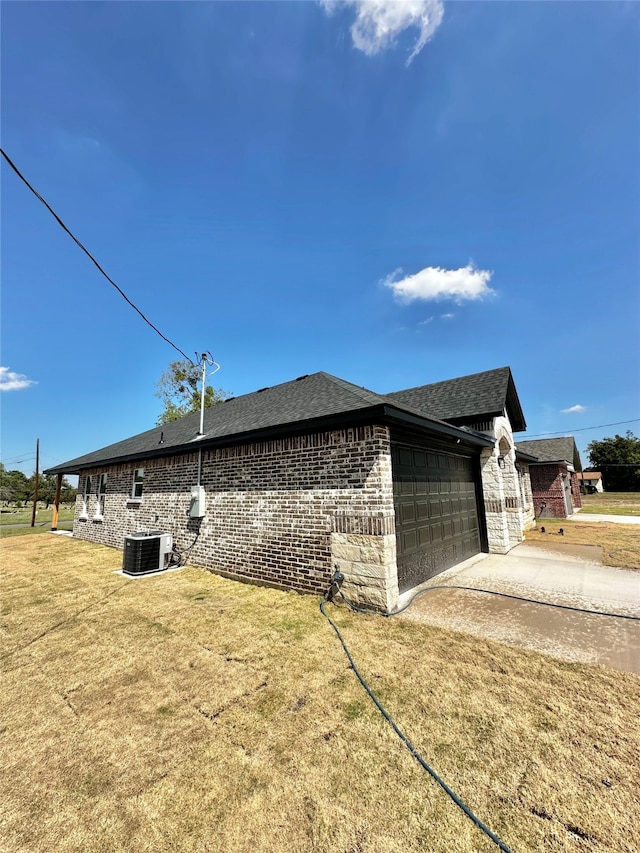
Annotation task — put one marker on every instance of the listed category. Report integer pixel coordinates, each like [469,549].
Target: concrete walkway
[550,578]
[593,516]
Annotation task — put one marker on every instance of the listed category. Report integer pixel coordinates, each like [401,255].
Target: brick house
[317,472]
[554,476]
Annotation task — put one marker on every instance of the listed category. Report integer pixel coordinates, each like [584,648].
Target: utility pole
[35,491]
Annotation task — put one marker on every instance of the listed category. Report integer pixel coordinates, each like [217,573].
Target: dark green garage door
[436,512]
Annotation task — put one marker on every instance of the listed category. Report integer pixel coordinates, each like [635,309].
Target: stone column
[494,503]
[367,561]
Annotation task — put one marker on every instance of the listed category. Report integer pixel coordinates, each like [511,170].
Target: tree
[68,492]
[6,492]
[179,390]
[14,486]
[618,459]
[46,488]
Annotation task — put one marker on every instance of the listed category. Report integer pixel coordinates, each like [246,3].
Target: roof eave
[526,457]
[464,436]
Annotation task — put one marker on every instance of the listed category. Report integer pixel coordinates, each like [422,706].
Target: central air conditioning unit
[146,551]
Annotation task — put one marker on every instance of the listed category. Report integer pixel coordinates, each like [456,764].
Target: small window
[102,491]
[138,483]
[84,511]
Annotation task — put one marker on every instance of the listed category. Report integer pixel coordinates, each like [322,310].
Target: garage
[436,507]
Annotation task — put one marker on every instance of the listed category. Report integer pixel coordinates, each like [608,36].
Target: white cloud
[10,381]
[435,283]
[447,316]
[426,322]
[378,23]
[577,409]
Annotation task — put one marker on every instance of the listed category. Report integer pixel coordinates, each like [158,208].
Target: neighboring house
[554,476]
[592,481]
[318,473]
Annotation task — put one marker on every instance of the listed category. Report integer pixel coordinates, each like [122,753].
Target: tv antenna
[206,359]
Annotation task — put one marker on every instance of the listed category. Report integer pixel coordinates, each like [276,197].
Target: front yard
[620,543]
[186,712]
[612,503]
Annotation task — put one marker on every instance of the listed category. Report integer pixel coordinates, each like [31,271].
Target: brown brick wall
[576,497]
[548,491]
[270,506]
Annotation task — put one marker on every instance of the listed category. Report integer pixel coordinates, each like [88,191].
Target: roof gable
[479,395]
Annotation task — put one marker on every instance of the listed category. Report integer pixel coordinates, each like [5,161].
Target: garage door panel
[419,459]
[424,536]
[406,486]
[422,511]
[436,512]
[407,513]
[405,456]
[410,540]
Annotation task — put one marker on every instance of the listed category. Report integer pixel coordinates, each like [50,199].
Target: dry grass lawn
[620,543]
[185,712]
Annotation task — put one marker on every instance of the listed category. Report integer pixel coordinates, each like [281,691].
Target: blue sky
[394,193]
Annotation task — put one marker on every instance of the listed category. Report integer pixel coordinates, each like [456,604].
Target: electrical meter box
[196,507]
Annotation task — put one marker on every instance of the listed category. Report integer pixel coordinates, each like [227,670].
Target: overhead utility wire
[582,429]
[90,256]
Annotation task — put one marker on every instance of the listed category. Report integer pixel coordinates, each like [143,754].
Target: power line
[582,429]
[89,255]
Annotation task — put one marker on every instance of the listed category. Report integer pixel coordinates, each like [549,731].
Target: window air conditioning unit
[146,551]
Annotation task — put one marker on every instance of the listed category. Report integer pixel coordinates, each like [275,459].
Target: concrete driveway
[530,572]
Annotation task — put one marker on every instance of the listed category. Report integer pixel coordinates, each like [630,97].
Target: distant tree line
[17,488]
[618,460]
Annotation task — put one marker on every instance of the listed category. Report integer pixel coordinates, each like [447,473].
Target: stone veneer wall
[280,512]
[528,511]
[501,490]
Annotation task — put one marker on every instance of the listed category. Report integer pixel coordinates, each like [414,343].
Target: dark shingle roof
[561,449]
[309,399]
[476,396]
